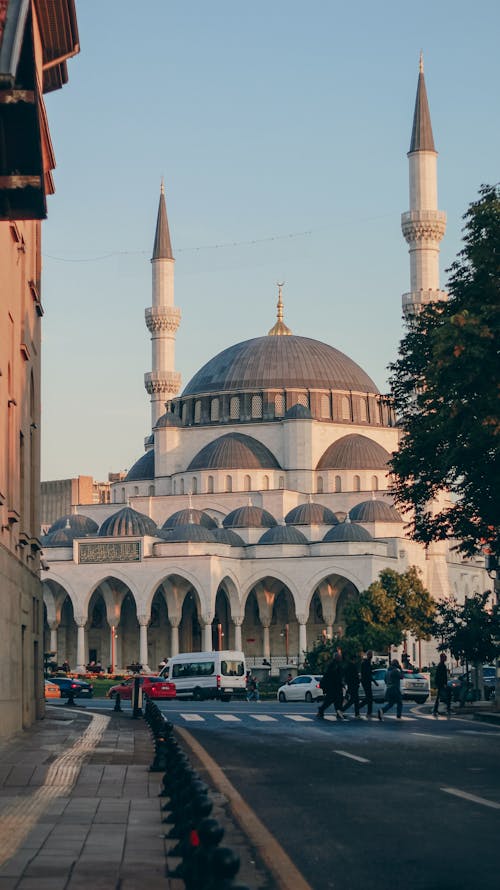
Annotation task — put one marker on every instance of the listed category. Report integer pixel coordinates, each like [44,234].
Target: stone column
[80,621]
[302,619]
[53,625]
[175,620]
[143,641]
[267,644]
[237,621]
[206,622]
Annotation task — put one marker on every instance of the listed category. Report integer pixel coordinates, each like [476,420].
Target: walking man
[366,682]
[332,685]
[393,695]
[443,691]
[352,682]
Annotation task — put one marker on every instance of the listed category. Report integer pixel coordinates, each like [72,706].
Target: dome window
[184,412]
[281,483]
[214,409]
[136,490]
[279,405]
[319,486]
[256,406]
[247,484]
[234,408]
[123,495]
[303,400]
[338,483]
[151,491]
[229,483]
[374,483]
[265,483]
[345,408]
[324,409]
[356,483]
[363,411]
[197,411]
[210,485]
[194,485]
[182,486]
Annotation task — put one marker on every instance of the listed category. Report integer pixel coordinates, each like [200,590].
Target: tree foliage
[471,631]
[445,387]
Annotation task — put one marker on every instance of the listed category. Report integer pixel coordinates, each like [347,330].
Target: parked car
[414,686]
[303,688]
[462,685]
[152,686]
[52,690]
[79,688]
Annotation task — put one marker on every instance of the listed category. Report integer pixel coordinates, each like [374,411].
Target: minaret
[424,225]
[162,320]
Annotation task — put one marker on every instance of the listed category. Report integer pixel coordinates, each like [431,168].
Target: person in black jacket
[366,682]
[332,684]
[352,682]
[443,691]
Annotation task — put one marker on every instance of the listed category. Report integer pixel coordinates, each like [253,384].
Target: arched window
[197,411]
[182,486]
[114,495]
[319,487]
[151,491]
[247,484]
[234,408]
[303,399]
[363,411]
[345,408]
[194,485]
[136,490]
[123,495]
[184,412]
[279,405]
[265,483]
[338,483]
[210,485]
[175,487]
[281,483]
[374,483]
[229,483]
[214,409]
[256,406]
[324,409]
[356,483]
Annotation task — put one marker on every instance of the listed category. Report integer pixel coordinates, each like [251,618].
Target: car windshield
[410,674]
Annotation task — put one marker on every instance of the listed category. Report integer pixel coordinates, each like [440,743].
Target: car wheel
[226,698]
[282,696]
[309,696]
[421,699]
[197,696]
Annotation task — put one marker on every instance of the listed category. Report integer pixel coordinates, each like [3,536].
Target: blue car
[79,688]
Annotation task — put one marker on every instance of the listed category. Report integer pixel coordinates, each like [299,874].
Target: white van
[200,675]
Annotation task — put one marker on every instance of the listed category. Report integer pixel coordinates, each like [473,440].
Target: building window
[175,486]
[114,496]
[182,486]
[319,487]
[356,483]
[281,483]
[279,405]
[256,406]
[374,483]
[197,411]
[184,412]
[363,411]
[229,483]
[247,483]
[136,490]
[303,399]
[123,495]
[194,485]
[345,408]
[151,491]
[214,409]
[234,408]
[324,408]
[265,484]
[338,483]
[210,485]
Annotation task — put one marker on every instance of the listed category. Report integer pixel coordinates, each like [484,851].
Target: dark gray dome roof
[348,531]
[188,533]
[150,440]
[354,452]
[185,517]
[234,451]
[61,537]
[228,536]
[128,522]
[249,517]
[279,363]
[143,469]
[298,412]
[80,525]
[374,511]
[283,534]
[310,514]
[168,419]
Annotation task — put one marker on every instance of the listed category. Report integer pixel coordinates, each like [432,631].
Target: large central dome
[280,363]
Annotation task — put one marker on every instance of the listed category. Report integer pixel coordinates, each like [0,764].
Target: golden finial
[279,329]
[162,186]
[421,62]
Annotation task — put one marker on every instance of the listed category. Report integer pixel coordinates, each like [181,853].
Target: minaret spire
[423,225]
[162,319]
[279,329]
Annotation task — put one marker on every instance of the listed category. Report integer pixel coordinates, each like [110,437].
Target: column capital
[175,620]
[206,618]
[302,619]
[81,620]
[237,620]
[144,620]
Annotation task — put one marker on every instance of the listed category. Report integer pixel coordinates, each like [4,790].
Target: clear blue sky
[281,128]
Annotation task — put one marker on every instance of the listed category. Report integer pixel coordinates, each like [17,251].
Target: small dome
[249,517]
[354,452]
[143,469]
[298,412]
[347,531]
[227,536]
[80,525]
[149,440]
[374,511]
[283,534]
[340,515]
[185,517]
[234,452]
[61,537]
[187,533]
[310,514]
[128,522]
[168,419]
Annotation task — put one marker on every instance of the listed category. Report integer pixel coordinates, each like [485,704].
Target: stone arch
[326,600]
[222,636]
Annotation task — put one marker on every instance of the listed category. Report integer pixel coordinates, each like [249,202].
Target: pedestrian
[366,682]
[65,666]
[289,679]
[252,688]
[393,695]
[443,691]
[332,684]
[352,683]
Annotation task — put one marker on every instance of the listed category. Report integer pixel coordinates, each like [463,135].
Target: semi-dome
[168,419]
[187,533]
[184,517]
[298,412]
[310,514]
[228,536]
[143,469]
[354,452]
[283,534]
[128,522]
[249,517]
[374,511]
[80,525]
[347,531]
[279,363]
[234,451]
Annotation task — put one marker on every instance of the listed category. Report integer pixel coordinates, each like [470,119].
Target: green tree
[445,388]
[471,631]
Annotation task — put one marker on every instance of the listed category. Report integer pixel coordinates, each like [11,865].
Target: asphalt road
[405,804]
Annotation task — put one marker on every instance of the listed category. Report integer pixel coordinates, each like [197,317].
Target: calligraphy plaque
[109,551]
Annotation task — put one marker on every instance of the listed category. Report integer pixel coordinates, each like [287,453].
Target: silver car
[414,686]
[303,688]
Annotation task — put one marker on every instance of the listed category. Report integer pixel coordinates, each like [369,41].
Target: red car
[153,687]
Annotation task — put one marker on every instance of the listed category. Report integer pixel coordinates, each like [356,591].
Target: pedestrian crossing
[189,717]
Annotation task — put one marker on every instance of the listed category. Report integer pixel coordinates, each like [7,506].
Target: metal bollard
[117,706]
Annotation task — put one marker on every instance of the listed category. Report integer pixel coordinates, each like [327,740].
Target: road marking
[351,756]
[476,732]
[228,718]
[429,735]
[298,718]
[263,718]
[406,719]
[193,718]
[284,872]
[473,797]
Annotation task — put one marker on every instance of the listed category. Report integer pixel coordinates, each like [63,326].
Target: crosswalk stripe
[298,718]
[351,756]
[192,718]
[228,718]
[263,718]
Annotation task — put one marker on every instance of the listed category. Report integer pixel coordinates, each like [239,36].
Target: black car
[79,688]
[462,687]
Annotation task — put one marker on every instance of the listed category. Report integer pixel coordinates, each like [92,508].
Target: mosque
[261,504]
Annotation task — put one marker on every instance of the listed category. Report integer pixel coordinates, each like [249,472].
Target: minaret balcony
[414,300]
[423,225]
[166,383]
[163,319]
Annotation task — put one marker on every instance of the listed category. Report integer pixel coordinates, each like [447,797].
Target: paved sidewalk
[78,807]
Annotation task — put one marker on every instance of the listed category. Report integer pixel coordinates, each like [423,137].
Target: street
[412,803]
